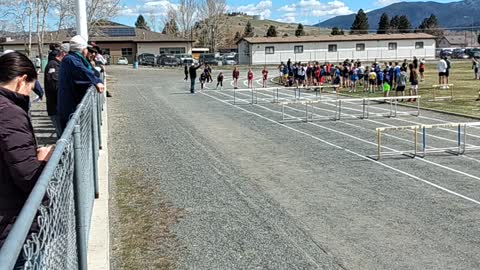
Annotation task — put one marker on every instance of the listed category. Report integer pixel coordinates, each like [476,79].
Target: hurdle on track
[460,148]
[440,87]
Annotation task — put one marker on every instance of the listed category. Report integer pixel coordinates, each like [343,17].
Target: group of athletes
[353,74]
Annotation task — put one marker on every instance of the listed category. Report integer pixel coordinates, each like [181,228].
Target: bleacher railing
[51,231]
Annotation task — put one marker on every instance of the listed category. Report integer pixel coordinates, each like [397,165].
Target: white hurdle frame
[460,149]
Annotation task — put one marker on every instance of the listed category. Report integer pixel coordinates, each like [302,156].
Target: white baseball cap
[78,43]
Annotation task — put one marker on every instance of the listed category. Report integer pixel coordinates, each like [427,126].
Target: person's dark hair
[16,64]
[410,66]
[54,46]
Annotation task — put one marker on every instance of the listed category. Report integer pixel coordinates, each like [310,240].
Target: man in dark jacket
[50,82]
[193,76]
[75,77]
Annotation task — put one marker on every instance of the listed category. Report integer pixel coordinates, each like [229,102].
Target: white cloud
[157,8]
[381,3]
[288,8]
[314,8]
[262,8]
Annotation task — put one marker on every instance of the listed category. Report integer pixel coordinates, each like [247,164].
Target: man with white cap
[51,80]
[75,77]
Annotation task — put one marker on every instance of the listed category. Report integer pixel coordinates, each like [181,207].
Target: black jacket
[19,166]
[50,83]
[193,72]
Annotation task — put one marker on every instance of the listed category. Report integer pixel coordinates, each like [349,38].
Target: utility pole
[81,14]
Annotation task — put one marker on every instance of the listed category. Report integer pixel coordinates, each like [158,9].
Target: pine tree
[430,26]
[336,31]
[300,32]
[272,31]
[171,28]
[166,28]
[249,30]
[360,24]
[404,25]
[141,23]
[237,36]
[394,24]
[383,24]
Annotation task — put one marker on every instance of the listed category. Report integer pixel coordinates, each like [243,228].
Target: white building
[273,50]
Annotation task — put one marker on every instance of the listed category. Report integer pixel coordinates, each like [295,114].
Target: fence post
[95,143]
[80,224]
[99,117]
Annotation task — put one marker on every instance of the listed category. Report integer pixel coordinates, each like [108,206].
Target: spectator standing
[21,160]
[475,68]
[75,77]
[38,64]
[54,48]
[186,72]
[235,75]
[372,81]
[50,82]
[415,63]
[442,69]
[447,72]
[192,72]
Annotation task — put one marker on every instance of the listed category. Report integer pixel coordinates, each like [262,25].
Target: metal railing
[51,231]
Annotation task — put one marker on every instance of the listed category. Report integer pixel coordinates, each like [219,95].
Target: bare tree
[101,10]
[170,21]
[152,21]
[186,17]
[213,15]
[41,12]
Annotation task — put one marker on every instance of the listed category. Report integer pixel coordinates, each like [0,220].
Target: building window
[419,45]
[127,51]
[176,50]
[360,46]
[392,46]
[332,48]
[270,50]
[298,49]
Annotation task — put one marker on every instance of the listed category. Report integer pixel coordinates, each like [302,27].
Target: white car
[229,60]
[122,61]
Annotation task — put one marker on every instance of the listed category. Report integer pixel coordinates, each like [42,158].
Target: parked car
[208,59]
[185,59]
[146,59]
[471,51]
[168,60]
[446,53]
[229,60]
[122,61]
[458,53]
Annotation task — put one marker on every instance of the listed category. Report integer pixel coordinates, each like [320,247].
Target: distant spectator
[37,89]
[53,50]
[401,83]
[475,67]
[21,160]
[50,82]
[192,71]
[75,77]
[265,76]
[413,81]
[447,71]
[186,72]
[415,62]
[442,69]
[38,64]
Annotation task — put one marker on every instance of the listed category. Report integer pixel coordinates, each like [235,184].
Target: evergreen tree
[299,32]
[141,23]
[394,24]
[166,28]
[171,28]
[248,32]
[404,25]
[336,31]
[383,24]
[272,31]
[237,36]
[430,26]
[360,24]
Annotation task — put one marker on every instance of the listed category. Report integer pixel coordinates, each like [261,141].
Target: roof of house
[112,32]
[330,38]
[462,39]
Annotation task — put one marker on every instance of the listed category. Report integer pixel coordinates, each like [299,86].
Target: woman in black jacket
[21,160]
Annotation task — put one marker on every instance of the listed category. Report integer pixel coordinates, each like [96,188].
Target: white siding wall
[318,51]
[154,48]
[244,53]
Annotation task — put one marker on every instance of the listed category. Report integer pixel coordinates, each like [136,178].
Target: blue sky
[304,11]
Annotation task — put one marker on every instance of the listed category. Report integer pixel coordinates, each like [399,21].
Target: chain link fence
[51,231]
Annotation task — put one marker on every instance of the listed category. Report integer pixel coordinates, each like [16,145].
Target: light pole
[81,14]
